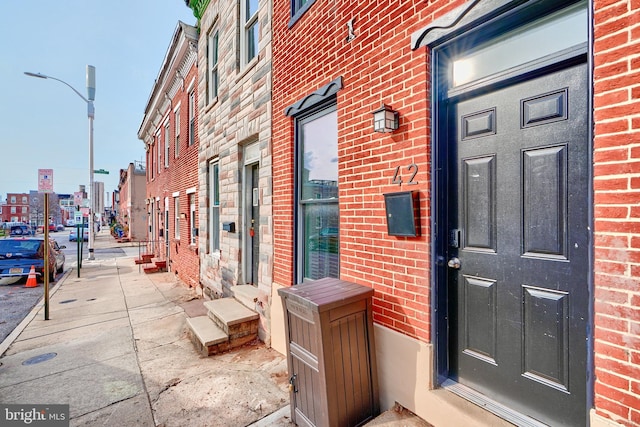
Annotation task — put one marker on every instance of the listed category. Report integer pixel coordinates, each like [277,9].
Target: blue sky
[44,123]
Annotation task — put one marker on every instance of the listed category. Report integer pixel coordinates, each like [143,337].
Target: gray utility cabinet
[330,353]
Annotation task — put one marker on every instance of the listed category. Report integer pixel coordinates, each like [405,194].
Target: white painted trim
[176,194]
[190,190]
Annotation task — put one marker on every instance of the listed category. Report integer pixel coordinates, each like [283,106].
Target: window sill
[248,67]
[210,105]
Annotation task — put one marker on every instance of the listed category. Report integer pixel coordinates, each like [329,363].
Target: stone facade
[235,137]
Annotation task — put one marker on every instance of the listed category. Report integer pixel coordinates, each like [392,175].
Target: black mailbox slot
[229,226]
[403,213]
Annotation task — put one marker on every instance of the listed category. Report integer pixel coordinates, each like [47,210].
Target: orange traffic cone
[32,282]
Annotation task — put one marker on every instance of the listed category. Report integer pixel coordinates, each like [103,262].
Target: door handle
[454,263]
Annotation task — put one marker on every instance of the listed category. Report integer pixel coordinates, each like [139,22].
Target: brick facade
[374,67]
[16,208]
[172,175]
[617,210]
[378,66]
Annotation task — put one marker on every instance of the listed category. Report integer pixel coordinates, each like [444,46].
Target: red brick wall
[377,66]
[617,209]
[181,175]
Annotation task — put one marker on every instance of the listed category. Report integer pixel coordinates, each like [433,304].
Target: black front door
[518,256]
[255,224]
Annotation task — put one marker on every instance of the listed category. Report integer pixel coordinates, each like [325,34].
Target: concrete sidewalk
[115,348]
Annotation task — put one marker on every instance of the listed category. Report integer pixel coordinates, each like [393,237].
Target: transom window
[561,30]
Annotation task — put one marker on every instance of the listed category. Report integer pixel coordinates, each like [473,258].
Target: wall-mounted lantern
[385,119]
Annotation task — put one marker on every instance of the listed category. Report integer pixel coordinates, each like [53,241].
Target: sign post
[45,185]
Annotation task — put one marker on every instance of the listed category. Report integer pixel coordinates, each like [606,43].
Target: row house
[170,135]
[234,104]
[129,200]
[475,163]
[16,208]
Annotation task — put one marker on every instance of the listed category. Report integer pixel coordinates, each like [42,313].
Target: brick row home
[16,208]
[169,131]
[234,104]
[496,212]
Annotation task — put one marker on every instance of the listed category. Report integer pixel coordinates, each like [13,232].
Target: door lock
[454,263]
[292,384]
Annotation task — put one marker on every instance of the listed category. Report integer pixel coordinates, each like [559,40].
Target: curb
[4,346]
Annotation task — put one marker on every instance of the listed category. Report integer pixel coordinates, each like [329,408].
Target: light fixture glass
[385,119]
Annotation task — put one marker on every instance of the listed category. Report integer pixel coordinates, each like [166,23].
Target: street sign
[45,180]
[106,172]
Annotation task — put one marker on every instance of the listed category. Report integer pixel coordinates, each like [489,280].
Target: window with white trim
[250,31]
[176,215]
[192,117]
[176,123]
[212,66]
[214,205]
[159,152]
[167,144]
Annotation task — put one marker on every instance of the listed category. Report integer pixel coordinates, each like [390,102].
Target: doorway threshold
[490,405]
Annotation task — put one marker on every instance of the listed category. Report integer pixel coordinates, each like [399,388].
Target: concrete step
[162,265]
[246,294]
[150,270]
[206,336]
[237,321]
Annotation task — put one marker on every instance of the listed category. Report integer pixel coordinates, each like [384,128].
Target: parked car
[18,254]
[73,233]
[20,230]
[52,227]
[70,223]
[59,227]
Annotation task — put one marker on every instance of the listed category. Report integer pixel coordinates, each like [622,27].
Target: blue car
[73,233]
[18,254]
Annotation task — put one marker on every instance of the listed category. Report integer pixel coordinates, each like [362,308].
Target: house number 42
[412,170]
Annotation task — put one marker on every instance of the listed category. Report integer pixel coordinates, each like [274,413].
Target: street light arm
[44,76]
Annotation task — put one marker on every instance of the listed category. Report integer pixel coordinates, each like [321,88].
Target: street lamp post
[91,96]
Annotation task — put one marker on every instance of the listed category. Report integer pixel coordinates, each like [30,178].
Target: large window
[249,33]
[317,217]
[214,205]
[176,124]
[176,215]
[212,63]
[192,117]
